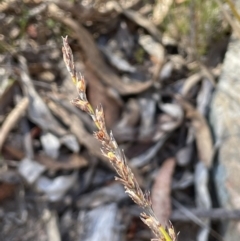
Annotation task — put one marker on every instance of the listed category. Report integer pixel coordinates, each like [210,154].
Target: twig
[12,119]
[213,214]
[115,155]
[195,219]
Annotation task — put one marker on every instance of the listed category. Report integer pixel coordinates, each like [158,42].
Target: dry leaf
[173,117]
[160,10]
[161,191]
[156,52]
[184,155]
[147,112]
[204,96]
[125,129]
[117,60]
[202,132]
[166,71]
[190,82]
[70,162]
[203,199]
[30,170]
[97,94]
[7,190]
[51,144]
[141,21]
[94,61]
[38,111]
[71,142]
[174,110]
[56,188]
[6,93]
[51,220]
[59,112]
[100,224]
[152,47]
[107,194]
[78,128]
[130,115]
[73,161]
[145,158]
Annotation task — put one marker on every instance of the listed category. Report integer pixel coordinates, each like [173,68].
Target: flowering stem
[116,156]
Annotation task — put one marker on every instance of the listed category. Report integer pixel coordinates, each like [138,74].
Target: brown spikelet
[115,155]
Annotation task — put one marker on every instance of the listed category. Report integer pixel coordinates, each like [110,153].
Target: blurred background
[167,75]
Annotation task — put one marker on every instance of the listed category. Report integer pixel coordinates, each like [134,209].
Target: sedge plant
[114,154]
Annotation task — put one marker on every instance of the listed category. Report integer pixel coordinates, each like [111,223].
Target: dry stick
[12,119]
[114,154]
[196,219]
[213,214]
